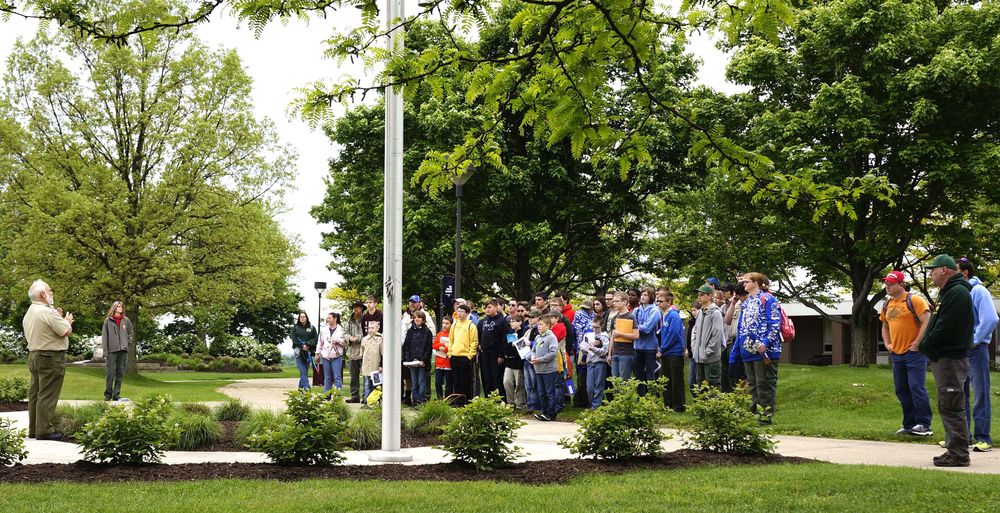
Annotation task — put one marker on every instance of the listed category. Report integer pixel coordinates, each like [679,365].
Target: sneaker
[982,447]
[903,431]
[947,460]
[542,417]
[55,437]
[920,430]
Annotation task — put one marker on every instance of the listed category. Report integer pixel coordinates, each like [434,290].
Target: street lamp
[459,183]
[320,287]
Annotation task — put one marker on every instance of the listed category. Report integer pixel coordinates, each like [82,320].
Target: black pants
[644,367]
[727,384]
[355,371]
[673,368]
[582,397]
[461,372]
[491,373]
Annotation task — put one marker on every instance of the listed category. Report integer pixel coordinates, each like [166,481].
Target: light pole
[320,287]
[459,183]
[392,255]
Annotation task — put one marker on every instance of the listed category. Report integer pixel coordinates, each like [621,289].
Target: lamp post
[459,183]
[320,287]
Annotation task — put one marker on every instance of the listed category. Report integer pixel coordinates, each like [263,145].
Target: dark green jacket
[949,332]
[304,335]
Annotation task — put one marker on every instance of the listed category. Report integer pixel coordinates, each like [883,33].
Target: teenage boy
[647,318]
[464,344]
[531,386]
[513,377]
[597,351]
[544,356]
[671,351]
[372,314]
[493,329]
[624,332]
[902,330]
[709,337]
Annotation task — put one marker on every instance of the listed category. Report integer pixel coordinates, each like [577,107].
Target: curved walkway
[538,440]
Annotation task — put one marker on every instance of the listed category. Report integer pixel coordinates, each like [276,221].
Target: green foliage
[197,430]
[11,443]
[208,363]
[13,389]
[312,434]
[196,408]
[70,419]
[246,347]
[432,417]
[482,433]
[366,429]
[232,410]
[627,426]
[258,422]
[724,423]
[137,433]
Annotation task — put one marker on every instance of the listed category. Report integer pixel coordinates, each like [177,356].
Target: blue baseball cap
[414,298]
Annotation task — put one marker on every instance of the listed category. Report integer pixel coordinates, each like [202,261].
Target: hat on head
[894,277]
[461,301]
[587,304]
[706,289]
[414,298]
[714,282]
[942,260]
[357,304]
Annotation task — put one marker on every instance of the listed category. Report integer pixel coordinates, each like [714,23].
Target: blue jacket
[672,334]
[760,323]
[984,312]
[582,324]
[647,317]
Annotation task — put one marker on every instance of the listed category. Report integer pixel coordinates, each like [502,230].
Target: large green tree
[138,172]
[869,91]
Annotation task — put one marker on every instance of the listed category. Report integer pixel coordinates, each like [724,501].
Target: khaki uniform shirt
[44,328]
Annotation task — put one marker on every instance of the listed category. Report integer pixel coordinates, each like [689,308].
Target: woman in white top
[331,352]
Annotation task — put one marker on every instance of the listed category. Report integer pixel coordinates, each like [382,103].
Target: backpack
[787,326]
[909,306]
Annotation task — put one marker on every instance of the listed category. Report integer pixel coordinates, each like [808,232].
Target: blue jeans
[596,374]
[532,388]
[909,374]
[442,383]
[303,367]
[621,365]
[332,373]
[420,378]
[367,389]
[550,401]
[692,374]
[979,382]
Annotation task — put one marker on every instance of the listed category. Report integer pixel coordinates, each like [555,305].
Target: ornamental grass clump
[233,410]
[366,429]
[724,423]
[11,443]
[196,430]
[482,433]
[627,426]
[135,433]
[432,417]
[257,422]
[311,433]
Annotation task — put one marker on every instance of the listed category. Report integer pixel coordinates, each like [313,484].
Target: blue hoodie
[647,317]
[984,312]
[760,322]
[672,334]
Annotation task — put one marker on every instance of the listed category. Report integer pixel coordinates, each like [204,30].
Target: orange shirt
[439,362]
[903,328]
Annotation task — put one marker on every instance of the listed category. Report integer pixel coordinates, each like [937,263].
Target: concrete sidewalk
[539,441]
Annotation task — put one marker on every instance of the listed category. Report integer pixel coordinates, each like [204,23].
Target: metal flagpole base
[390,457]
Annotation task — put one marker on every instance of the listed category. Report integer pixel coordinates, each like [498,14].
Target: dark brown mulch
[8,406]
[534,472]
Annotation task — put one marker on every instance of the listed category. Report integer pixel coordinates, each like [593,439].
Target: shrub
[177,344]
[724,423]
[196,408]
[231,410]
[13,346]
[432,417]
[11,443]
[627,426]
[196,430]
[80,346]
[13,389]
[136,434]
[313,434]
[258,422]
[246,347]
[366,429]
[482,433]
[70,419]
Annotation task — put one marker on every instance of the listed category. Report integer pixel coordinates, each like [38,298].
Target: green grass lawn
[816,487]
[88,383]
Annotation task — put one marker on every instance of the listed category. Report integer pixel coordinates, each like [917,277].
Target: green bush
[625,427]
[70,419]
[233,410]
[724,423]
[13,389]
[136,434]
[365,429]
[203,362]
[196,408]
[314,433]
[482,433]
[196,430]
[258,422]
[11,443]
[432,417]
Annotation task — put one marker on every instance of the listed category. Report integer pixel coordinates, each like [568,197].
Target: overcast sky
[290,56]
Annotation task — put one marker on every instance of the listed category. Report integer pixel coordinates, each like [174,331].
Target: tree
[147,179]
[873,91]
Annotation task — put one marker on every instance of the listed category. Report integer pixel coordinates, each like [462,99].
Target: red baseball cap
[894,277]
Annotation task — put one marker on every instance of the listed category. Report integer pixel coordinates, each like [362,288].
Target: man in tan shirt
[47,333]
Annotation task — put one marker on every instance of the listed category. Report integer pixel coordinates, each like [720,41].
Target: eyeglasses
[659,300]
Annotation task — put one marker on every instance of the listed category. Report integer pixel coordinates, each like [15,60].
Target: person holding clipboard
[624,333]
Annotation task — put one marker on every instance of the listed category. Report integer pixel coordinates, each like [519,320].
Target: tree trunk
[522,276]
[132,364]
[861,336]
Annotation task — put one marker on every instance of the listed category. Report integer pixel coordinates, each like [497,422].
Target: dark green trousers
[47,368]
[114,372]
[762,380]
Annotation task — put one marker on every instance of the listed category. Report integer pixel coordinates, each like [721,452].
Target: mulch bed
[533,472]
[8,406]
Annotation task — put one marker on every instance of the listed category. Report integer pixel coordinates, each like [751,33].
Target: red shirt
[441,363]
[559,330]
[568,312]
